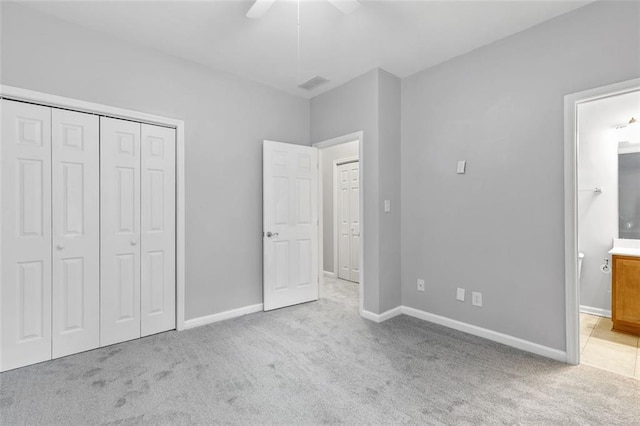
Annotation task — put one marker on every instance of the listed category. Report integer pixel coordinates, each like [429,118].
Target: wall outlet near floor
[420,285]
[476,299]
[460,294]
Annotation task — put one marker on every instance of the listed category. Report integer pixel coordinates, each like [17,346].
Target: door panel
[354,219]
[158,283]
[25,291]
[290,212]
[120,230]
[348,221]
[76,232]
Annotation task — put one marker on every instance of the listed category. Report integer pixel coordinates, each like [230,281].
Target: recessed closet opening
[92,235]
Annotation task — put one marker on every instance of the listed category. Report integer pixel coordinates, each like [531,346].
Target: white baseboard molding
[329,274]
[383,316]
[595,311]
[221,316]
[485,333]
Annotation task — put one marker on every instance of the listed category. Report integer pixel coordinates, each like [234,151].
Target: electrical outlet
[420,285]
[460,294]
[476,299]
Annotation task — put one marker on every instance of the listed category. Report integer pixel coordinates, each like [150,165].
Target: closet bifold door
[158,297]
[25,290]
[120,230]
[76,232]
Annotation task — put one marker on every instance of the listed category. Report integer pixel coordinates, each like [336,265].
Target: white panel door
[25,290]
[158,282]
[120,230]
[290,214]
[76,232]
[348,210]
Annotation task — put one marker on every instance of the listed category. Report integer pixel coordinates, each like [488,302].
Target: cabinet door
[158,294]
[76,232]
[120,230]
[626,293]
[25,292]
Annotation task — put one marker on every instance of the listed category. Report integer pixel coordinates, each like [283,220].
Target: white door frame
[356,136]
[54,101]
[334,170]
[572,290]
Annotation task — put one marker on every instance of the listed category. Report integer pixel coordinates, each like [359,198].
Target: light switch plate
[462,164]
[387,206]
[460,294]
[420,285]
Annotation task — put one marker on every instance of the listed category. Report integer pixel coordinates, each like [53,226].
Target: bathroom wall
[329,155]
[598,212]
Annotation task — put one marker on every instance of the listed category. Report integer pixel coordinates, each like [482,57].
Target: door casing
[572,291]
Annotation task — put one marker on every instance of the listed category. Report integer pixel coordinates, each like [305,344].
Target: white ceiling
[402,37]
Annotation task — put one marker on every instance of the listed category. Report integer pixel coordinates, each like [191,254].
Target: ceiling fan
[260,7]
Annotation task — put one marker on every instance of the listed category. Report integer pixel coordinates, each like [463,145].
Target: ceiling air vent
[313,83]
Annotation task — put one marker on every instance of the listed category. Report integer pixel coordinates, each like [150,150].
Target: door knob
[134,242]
[60,246]
[272,234]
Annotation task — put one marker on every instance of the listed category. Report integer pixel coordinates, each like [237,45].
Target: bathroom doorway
[602,212]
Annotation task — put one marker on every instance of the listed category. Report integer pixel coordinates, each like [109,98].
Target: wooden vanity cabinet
[625,294]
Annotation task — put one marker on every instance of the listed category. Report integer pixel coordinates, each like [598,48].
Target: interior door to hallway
[348,210]
[290,228]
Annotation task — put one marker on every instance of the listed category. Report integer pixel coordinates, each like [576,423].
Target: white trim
[485,333]
[329,274]
[595,311]
[55,101]
[334,171]
[572,294]
[222,316]
[359,136]
[391,313]
[351,137]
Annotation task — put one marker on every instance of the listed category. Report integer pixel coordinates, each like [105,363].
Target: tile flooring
[609,350]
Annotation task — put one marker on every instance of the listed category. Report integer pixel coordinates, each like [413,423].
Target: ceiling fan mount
[260,7]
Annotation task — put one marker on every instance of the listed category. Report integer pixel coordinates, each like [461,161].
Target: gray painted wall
[346,109]
[329,155]
[226,119]
[499,229]
[389,126]
[367,103]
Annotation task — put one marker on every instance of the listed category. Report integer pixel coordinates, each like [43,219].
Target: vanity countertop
[625,247]
[625,251]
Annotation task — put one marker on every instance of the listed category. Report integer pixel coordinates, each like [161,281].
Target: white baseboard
[221,316]
[329,274]
[485,333]
[595,311]
[383,316]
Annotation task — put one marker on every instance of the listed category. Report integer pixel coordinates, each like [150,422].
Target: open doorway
[603,229]
[341,219]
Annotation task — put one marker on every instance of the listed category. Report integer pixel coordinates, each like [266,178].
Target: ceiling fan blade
[345,6]
[259,8]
